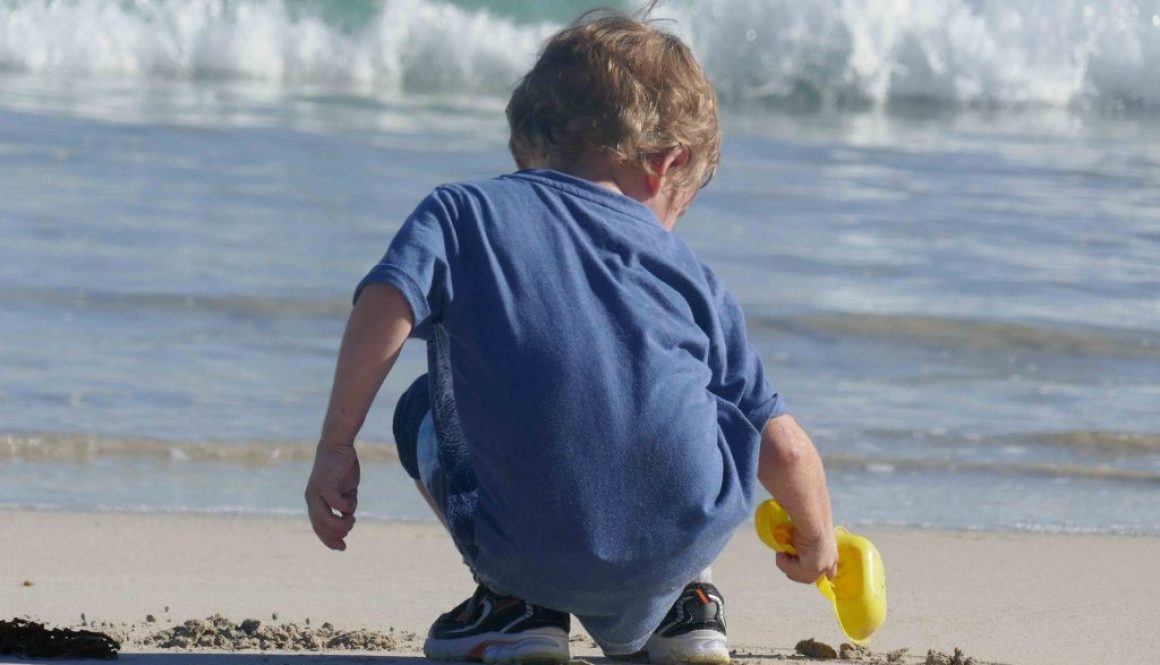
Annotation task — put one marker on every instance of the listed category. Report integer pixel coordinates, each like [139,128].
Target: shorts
[444,469]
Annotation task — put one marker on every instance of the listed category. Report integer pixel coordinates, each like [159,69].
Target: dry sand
[1021,599]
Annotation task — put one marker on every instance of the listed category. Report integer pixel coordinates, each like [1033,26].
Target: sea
[942,218]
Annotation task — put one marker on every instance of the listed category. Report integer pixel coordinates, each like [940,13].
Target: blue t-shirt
[598,376]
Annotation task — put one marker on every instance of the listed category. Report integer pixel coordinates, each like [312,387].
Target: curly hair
[622,87]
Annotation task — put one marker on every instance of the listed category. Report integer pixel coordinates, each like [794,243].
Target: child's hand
[333,487]
[814,558]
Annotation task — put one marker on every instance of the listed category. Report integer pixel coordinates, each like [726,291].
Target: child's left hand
[814,558]
[333,487]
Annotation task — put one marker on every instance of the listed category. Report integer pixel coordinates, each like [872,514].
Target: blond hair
[619,86]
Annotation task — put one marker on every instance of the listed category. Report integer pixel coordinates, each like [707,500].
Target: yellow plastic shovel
[858,591]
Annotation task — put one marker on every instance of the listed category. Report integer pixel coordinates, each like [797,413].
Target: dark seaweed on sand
[30,639]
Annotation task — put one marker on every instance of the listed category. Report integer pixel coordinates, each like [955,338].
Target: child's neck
[626,180]
[596,168]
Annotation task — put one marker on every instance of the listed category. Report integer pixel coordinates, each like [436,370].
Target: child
[593,421]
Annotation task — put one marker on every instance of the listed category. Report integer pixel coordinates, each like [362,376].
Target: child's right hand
[333,488]
[814,558]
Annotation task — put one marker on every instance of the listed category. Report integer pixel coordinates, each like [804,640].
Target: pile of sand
[815,650]
[218,632]
[957,658]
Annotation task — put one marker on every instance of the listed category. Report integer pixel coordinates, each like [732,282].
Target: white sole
[537,646]
[699,647]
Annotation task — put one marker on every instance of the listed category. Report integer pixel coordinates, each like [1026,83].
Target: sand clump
[854,653]
[861,654]
[938,658]
[811,648]
[897,655]
[219,633]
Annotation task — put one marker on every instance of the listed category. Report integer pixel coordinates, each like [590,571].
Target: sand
[1019,599]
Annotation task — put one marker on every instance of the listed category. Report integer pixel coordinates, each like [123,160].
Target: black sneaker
[491,628]
[693,631]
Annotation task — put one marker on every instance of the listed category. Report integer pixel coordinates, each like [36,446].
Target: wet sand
[1020,599]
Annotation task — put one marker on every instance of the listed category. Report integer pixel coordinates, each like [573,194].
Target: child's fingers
[351,502]
[343,504]
[330,528]
[832,571]
[325,528]
[333,536]
[793,569]
[341,530]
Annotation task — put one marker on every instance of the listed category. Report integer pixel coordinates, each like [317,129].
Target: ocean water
[941,216]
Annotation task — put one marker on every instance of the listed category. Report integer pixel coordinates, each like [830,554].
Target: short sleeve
[417,262]
[738,373]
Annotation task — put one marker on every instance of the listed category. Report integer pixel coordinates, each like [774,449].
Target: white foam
[1055,53]
[960,52]
[413,45]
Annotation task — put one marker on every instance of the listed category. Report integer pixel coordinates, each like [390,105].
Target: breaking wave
[990,53]
[834,53]
[401,46]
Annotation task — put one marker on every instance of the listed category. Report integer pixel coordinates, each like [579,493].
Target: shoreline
[1013,598]
[289,515]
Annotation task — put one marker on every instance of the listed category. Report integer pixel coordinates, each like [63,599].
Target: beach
[1012,598]
[941,219]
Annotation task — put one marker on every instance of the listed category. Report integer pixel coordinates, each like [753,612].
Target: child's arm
[375,332]
[791,469]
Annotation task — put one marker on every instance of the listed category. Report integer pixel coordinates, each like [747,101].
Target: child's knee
[413,406]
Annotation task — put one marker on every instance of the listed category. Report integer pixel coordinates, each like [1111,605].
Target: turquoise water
[942,219]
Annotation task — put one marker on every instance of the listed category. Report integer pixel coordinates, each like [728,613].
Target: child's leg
[489,626]
[431,503]
[413,407]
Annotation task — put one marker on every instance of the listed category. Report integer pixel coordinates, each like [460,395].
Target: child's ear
[663,164]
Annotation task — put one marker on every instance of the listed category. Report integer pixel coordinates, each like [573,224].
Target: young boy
[593,421]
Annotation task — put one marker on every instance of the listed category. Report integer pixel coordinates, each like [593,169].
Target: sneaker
[491,628]
[693,631]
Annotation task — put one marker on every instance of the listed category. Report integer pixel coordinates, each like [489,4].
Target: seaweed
[30,639]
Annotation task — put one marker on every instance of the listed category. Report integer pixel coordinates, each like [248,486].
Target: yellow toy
[859,589]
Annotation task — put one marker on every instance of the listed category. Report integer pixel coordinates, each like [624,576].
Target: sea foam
[407,45]
[957,52]
[840,53]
